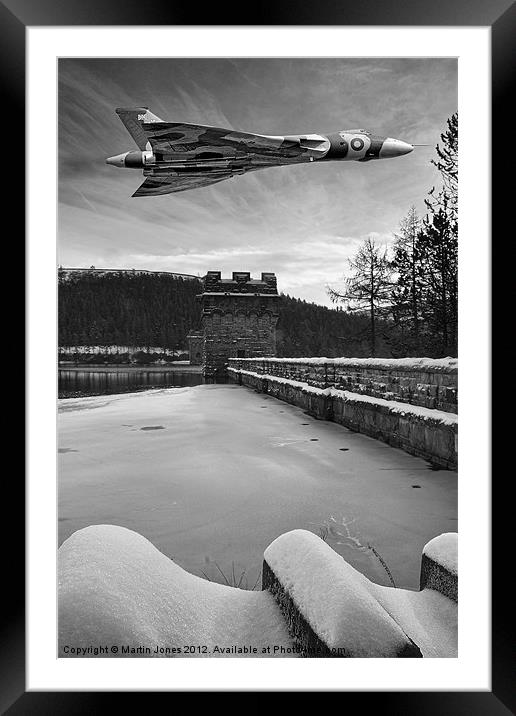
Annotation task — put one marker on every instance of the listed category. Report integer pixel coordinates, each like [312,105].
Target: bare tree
[369,286]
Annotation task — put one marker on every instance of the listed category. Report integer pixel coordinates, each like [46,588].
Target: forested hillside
[307,329]
[123,308]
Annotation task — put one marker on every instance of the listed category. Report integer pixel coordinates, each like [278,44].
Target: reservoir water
[81,382]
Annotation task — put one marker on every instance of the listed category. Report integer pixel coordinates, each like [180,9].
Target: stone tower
[239,317]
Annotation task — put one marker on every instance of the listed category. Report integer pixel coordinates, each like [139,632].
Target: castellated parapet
[239,317]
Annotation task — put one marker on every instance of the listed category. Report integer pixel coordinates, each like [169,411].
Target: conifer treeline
[159,310]
[129,310]
[308,330]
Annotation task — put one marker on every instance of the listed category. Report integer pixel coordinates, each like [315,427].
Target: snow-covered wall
[119,596]
[333,610]
[327,603]
[439,565]
[425,432]
[427,382]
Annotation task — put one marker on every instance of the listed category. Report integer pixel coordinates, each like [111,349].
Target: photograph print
[257,328]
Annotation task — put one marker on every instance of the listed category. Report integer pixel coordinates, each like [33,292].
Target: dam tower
[238,317]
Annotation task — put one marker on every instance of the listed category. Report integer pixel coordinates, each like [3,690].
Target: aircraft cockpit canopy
[357,131]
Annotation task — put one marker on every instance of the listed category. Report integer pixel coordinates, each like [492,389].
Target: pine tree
[440,304]
[438,243]
[447,163]
[407,293]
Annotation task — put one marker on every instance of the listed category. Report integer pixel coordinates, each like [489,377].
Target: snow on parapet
[443,550]
[439,416]
[116,588]
[333,597]
[445,365]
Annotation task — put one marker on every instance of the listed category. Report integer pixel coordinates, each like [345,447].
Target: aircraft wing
[168,140]
[173,142]
[171,183]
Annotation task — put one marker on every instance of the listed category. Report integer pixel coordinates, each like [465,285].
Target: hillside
[99,307]
[122,308]
[71,274]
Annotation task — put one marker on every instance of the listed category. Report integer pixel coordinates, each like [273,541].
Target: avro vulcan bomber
[176,156]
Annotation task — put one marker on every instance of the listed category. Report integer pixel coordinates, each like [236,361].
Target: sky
[301,222]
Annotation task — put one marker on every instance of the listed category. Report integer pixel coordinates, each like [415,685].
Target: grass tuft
[382,562]
[240,582]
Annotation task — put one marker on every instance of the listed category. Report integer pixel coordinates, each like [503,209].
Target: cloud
[303,222]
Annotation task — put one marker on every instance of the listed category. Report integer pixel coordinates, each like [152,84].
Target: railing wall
[429,383]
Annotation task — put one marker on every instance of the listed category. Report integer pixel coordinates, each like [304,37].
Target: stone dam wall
[328,605]
[408,403]
[429,383]
[313,603]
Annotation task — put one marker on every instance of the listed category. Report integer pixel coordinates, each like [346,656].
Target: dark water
[79,383]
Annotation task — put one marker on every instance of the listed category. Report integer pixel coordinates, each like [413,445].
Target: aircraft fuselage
[337,146]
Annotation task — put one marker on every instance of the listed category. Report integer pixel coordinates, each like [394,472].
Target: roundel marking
[357,144]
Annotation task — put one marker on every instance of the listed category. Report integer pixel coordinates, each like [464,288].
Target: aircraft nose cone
[395,148]
[117,161]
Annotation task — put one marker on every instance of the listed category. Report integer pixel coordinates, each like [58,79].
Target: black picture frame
[15,17]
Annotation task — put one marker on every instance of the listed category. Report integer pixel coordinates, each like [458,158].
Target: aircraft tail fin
[133,118]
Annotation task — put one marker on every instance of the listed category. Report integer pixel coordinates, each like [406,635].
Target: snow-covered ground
[212,474]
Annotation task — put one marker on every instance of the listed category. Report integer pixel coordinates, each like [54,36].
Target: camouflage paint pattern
[176,156]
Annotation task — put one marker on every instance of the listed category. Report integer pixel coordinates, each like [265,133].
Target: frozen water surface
[212,474]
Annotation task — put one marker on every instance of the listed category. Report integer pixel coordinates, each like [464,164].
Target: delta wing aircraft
[176,156]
